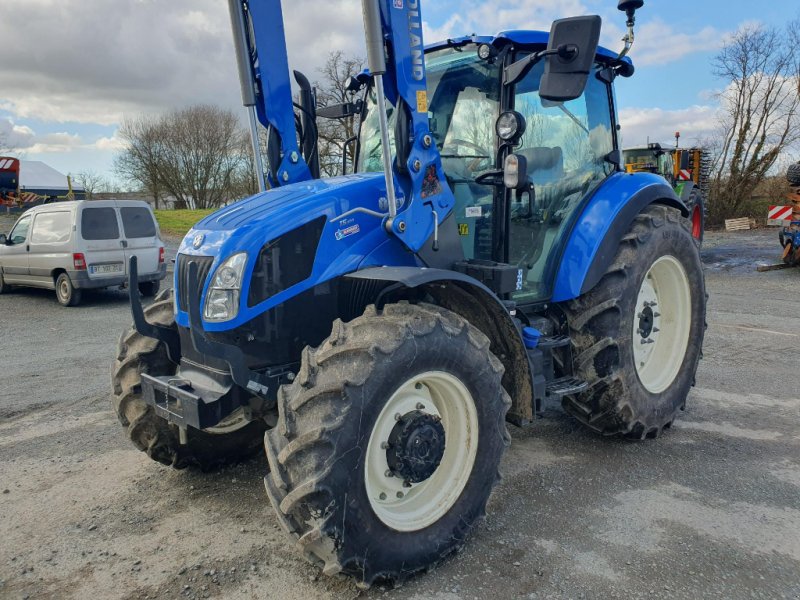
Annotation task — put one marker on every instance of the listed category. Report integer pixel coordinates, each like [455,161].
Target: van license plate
[103,269]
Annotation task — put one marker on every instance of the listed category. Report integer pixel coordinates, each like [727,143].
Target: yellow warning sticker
[422,101]
[463,229]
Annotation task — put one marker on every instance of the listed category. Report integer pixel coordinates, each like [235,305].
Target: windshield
[464,95]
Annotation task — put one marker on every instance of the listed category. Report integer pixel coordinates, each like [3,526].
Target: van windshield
[99,224]
[137,222]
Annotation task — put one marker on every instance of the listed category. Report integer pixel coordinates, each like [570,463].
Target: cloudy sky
[71,69]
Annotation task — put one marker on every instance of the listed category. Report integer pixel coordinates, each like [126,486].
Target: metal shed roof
[36,175]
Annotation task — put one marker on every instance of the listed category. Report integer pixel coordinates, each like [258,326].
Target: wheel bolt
[400,494]
[656,330]
[382,496]
[398,416]
[655,314]
[407,483]
[389,473]
[417,386]
[420,406]
[385,445]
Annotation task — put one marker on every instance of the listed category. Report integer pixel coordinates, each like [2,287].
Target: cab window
[20,232]
[51,228]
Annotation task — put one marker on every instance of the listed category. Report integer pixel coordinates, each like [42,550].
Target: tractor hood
[313,216]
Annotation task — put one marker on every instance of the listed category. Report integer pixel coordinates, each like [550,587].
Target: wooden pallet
[742,224]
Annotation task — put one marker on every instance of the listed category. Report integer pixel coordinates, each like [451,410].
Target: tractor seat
[545,165]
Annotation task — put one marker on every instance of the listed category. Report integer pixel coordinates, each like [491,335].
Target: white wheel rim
[661,324]
[405,508]
[64,288]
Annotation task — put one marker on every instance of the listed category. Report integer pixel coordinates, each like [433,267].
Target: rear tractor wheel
[388,442]
[233,439]
[638,334]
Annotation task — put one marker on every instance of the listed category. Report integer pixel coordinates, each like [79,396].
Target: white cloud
[110,143]
[696,123]
[145,55]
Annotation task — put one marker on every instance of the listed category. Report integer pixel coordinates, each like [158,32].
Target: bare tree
[139,163]
[194,154]
[760,115]
[334,133]
[92,183]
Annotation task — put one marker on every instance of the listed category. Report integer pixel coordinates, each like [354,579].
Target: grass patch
[178,222]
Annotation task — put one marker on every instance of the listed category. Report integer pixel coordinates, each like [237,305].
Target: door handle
[27,248]
[123,243]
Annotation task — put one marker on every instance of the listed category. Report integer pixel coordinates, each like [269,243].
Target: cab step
[566,386]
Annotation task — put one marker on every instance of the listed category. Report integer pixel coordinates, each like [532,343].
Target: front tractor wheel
[233,439]
[638,335]
[388,442]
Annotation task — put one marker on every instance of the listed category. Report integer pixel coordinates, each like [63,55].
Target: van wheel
[65,292]
[148,289]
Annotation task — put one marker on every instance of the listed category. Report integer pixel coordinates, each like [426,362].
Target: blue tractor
[487,259]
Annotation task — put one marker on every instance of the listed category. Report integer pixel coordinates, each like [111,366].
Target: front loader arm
[264,74]
[396,54]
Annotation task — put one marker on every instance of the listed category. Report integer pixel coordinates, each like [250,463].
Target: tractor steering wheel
[478,159]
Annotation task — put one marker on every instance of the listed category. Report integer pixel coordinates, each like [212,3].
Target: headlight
[222,300]
[510,126]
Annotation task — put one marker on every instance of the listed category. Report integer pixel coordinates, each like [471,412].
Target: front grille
[203,267]
[285,262]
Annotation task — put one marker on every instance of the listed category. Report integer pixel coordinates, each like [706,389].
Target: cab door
[14,255]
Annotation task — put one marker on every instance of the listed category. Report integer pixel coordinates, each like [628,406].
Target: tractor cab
[567,146]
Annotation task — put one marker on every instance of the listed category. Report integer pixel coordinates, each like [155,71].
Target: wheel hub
[416,446]
[646,322]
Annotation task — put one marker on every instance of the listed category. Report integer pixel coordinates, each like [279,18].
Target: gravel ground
[711,510]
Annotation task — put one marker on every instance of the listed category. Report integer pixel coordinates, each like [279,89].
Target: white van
[72,246]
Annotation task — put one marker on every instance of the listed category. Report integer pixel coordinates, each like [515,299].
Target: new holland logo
[198,241]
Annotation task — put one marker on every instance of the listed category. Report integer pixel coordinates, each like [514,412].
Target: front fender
[594,240]
[475,302]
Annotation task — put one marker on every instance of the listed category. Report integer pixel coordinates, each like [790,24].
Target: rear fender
[475,302]
[594,240]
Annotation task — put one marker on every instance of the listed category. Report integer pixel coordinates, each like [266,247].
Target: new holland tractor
[489,259]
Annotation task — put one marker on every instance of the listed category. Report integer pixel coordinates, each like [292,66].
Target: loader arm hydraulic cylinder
[260,42]
[396,54]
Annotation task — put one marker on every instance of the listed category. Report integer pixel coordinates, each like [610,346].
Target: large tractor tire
[232,440]
[793,174]
[638,335]
[388,442]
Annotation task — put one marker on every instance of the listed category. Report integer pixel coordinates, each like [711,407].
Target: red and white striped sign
[684,175]
[779,213]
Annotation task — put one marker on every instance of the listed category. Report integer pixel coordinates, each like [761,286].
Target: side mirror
[571,54]
[3,239]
